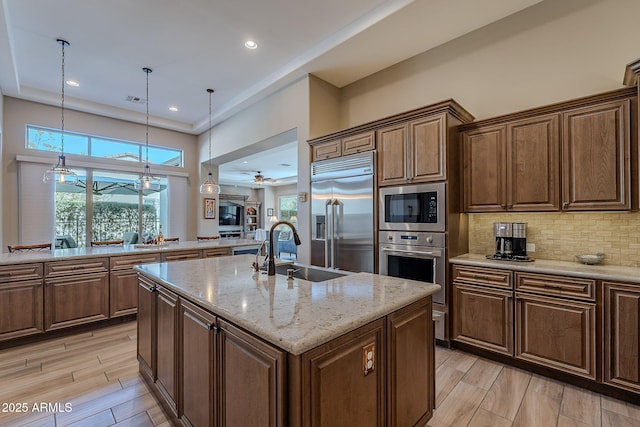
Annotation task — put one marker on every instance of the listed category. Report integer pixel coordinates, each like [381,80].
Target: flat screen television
[230,215]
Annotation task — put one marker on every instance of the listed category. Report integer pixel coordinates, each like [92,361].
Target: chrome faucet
[296,239]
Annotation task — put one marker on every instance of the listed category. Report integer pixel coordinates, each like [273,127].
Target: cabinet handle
[565,205]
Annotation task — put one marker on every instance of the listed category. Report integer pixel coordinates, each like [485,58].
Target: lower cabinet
[251,380]
[167,346]
[199,360]
[621,336]
[147,293]
[21,309]
[557,333]
[76,292]
[342,388]
[123,283]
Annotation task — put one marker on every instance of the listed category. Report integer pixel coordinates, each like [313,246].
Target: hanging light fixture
[209,186]
[60,173]
[146,180]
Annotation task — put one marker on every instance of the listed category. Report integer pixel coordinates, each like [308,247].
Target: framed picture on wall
[209,208]
[269,211]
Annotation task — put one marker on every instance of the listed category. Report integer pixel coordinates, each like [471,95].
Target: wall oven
[418,207]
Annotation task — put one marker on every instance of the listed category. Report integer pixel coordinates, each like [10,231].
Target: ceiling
[192,45]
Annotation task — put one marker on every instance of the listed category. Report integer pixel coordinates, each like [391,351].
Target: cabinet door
[167,349]
[358,143]
[147,327]
[21,308]
[411,364]
[181,256]
[392,158]
[596,157]
[123,292]
[198,378]
[76,299]
[344,388]
[621,336]
[327,150]
[483,317]
[484,169]
[427,149]
[251,380]
[533,164]
[556,333]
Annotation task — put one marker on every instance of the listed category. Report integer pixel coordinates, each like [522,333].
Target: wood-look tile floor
[95,374]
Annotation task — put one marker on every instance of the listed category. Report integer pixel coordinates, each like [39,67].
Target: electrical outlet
[531,247]
[368,358]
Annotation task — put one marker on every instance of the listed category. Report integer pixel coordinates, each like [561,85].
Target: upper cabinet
[412,152]
[349,144]
[569,156]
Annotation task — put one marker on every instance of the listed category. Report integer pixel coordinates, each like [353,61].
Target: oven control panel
[413,238]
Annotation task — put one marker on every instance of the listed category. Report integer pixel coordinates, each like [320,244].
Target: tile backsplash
[562,235]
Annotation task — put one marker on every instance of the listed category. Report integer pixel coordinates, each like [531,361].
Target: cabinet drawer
[571,287]
[122,262]
[65,268]
[180,256]
[214,252]
[483,276]
[12,273]
[358,143]
[327,150]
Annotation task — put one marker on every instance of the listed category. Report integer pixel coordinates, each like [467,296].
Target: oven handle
[434,254]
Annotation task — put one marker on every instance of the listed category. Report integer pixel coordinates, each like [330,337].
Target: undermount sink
[305,272]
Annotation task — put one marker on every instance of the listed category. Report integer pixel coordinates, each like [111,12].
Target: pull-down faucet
[296,239]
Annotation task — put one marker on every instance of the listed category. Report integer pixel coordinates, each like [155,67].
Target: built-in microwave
[419,207]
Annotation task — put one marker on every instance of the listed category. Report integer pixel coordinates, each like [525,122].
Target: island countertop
[295,315]
[102,251]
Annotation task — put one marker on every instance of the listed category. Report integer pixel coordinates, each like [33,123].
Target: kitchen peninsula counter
[267,350]
[108,251]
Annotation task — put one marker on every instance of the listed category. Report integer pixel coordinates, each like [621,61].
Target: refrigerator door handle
[327,231]
[337,221]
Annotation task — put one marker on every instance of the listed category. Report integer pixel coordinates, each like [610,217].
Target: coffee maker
[511,241]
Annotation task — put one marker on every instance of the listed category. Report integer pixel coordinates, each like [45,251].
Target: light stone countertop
[294,315]
[93,252]
[564,268]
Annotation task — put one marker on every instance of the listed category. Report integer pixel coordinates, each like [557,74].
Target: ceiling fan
[260,179]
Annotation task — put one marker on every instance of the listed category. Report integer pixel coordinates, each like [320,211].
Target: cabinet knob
[565,205]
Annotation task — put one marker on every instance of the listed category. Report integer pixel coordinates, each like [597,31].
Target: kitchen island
[223,345]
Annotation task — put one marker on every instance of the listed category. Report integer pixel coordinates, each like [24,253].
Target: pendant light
[146,180]
[210,186]
[60,173]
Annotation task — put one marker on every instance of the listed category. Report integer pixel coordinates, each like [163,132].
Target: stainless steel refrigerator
[342,213]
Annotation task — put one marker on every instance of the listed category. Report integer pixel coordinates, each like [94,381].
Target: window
[288,209]
[44,139]
[116,207]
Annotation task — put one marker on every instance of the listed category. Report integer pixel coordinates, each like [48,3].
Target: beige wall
[562,235]
[324,107]
[18,113]
[552,51]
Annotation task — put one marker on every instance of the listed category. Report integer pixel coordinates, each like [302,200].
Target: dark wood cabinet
[181,255]
[123,283]
[514,167]
[167,346]
[413,152]
[621,335]
[571,156]
[344,145]
[76,292]
[557,333]
[21,296]
[411,391]
[147,292]
[252,380]
[596,152]
[343,389]
[198,377]
[216,252]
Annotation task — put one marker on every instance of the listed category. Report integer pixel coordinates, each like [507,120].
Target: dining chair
[24,248]
[203,238]
[108,243]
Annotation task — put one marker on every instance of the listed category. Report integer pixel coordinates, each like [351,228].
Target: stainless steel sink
[305,272]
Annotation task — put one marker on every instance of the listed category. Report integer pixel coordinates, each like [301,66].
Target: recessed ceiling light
[250,44]
[72,83]
[173,108]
